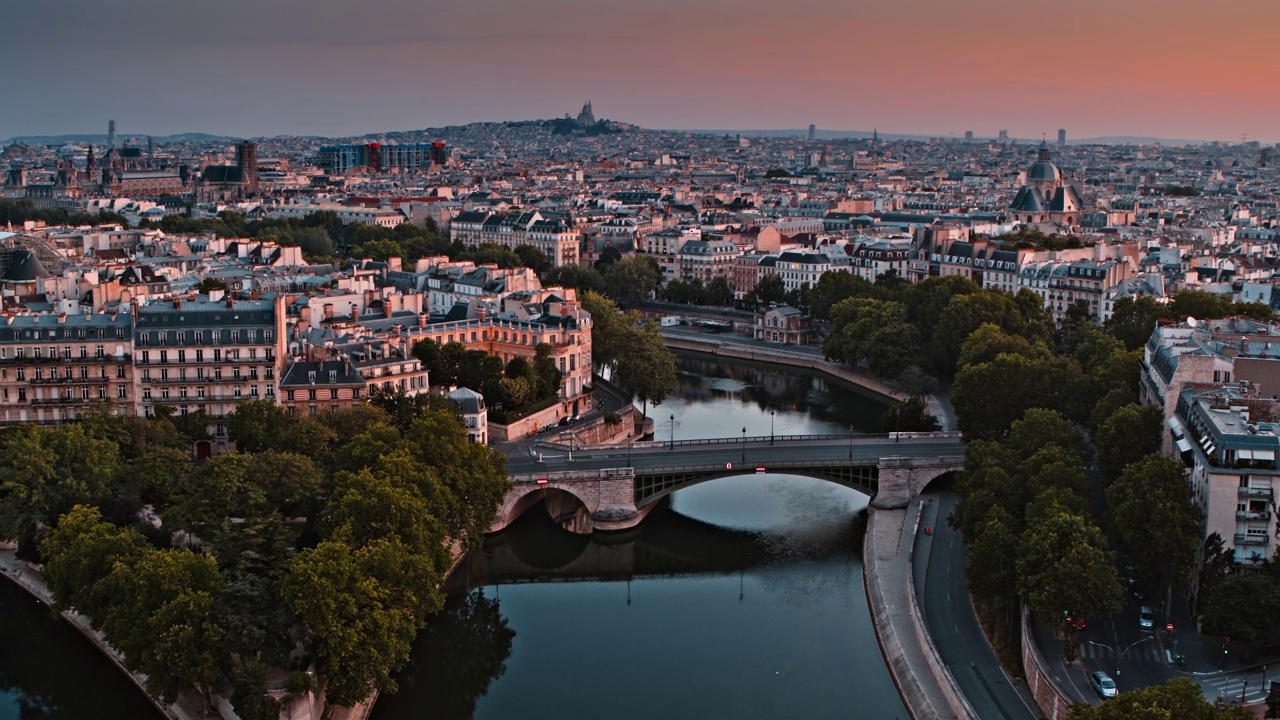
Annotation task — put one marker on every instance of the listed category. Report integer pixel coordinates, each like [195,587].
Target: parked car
[1077,621]
[1146,618]
[1103,684]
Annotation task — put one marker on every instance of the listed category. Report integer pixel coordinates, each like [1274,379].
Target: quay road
[862,450]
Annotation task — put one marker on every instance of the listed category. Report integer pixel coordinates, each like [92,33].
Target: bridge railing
[756,439]
[760,467]
[559,475]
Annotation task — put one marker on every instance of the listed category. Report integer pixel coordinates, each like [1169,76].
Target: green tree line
[331,533]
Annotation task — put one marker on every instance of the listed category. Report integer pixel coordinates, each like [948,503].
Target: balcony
[1247,539]
[1253,515]
[32,360]
[1252,492]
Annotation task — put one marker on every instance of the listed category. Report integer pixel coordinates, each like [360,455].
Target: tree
[989,397]
[1127,436]
[992,571]
[573,276]
[1245,606]
[533,258]
[926,300]
[1155,519]
[379,250]
[634,280]
[965,314]
[210,284]
[834,287]
[770,290]
[989,341]
[608,256]
[1217,562]
[1063,565]
[257,425]
[355,603]
[251,701]
[162,618]
[719,292]
[1178,699]
[44,472]
[79,552]
[314,241]
[611,330]
[910,415]
[1133,320]
[876,331]
[648,369]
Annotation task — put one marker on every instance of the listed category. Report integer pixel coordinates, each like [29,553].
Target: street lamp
[770,427]
[673,432]
[744,445]
[850,442]
[628,449]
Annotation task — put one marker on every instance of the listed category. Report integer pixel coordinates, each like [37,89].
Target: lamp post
[770,427]
[744,445]
[850,442]
[673,432]
[628,449]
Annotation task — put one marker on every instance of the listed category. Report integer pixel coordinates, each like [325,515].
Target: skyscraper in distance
[1062,137]
[1004,137]
[968,137]
[813,132]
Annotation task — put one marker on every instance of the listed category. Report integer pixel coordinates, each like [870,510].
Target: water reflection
[742,598]
[48,671]
[726,396]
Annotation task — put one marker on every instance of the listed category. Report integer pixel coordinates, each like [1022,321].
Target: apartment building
[210,356]
[1230,453]
[54,368]
[554,237]
[560,322]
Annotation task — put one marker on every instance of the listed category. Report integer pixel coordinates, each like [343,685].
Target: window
[200,393]
[164,393]
[333,394]
[120,391]
[164,356]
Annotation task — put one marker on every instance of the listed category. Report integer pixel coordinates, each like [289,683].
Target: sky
[1191,69]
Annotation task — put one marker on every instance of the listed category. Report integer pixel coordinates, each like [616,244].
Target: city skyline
[335,69]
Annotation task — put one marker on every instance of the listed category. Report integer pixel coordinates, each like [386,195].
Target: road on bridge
[754,452]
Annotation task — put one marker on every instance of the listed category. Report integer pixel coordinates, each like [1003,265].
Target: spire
[1044,151]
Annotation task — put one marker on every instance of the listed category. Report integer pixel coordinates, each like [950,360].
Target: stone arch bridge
[611,488]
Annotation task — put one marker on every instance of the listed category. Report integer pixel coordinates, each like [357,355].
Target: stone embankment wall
[1052,700]
[925,685]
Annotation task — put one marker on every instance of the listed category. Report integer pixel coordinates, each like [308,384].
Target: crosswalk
[1229,688]
[1148,651]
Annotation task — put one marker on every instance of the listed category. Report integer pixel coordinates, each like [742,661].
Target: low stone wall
[1052,700]
[923,682]
[781,356]
[524,427]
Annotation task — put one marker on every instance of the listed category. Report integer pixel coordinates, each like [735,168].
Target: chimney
[62,318]
[480,311]
[355,312]
[328,310]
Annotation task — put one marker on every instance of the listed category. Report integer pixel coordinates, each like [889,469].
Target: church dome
[1044,171]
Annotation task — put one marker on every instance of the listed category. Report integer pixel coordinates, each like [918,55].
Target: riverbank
[26,578]
[807,357]
[924,682]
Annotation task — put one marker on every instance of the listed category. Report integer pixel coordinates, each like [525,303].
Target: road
[755,451]
[950,618]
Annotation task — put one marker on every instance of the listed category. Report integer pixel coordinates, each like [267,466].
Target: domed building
[1046,197]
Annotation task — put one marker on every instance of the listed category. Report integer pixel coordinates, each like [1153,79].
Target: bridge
[614,487]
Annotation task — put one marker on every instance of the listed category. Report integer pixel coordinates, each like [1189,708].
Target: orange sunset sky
[1169,68]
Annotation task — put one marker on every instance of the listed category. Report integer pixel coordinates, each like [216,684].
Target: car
[1077,621]
[1146,618]
[1103,684]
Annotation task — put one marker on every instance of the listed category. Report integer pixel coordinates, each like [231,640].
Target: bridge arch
[564,502]
[652,487]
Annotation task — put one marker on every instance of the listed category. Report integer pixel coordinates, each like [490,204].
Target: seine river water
[743,598]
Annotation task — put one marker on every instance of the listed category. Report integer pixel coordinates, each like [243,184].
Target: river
[743,598]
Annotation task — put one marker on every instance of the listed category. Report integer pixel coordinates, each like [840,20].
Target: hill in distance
[101,139]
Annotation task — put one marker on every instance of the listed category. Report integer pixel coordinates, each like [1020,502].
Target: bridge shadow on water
[535,549]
